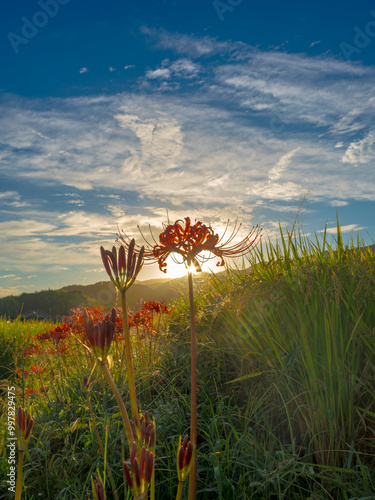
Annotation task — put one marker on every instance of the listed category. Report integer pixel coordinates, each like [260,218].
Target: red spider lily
[37,369]
[157,307]
[29,350]
[60,332]
[184,458]
[189,241]
[123,271]
[22,373]
[98,489]
[24,424]
[31,390]
[145,436]
[60,349]
[142,468]
[140,319]
[100,335]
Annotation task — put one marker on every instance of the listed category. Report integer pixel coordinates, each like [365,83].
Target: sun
[178,270]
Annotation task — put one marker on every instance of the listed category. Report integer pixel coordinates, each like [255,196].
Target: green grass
[286,403]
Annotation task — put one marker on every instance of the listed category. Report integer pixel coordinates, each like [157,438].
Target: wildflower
[146,435]
[188,241]
[157,307]
[121,270]
[22,373]
[193,244]
[31,390]
[142,466]
[98,489]
[29,350]
[100,335]
[38,369]
[60,332]
[24,424]
[184,458]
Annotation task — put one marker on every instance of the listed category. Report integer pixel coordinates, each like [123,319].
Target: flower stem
[193,403]
[17,495]
[100,443]
[179,490]
[129,360]
[120,402]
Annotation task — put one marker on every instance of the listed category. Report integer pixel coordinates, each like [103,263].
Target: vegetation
[47,303]
[286,402]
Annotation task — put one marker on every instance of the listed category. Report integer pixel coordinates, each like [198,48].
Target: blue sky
[113,112]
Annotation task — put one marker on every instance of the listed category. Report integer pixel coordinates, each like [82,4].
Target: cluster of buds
[184,458]
[145,436]
[98,489]
[121,270]
[142,466]
[23,428]
[100,335]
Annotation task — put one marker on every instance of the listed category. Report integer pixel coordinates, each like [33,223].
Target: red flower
[21,373]
[157,307]
[60,332]
[37,369]
[189,241]
[28,351]
[30,391]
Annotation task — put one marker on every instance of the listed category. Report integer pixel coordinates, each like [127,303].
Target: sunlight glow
[177,270]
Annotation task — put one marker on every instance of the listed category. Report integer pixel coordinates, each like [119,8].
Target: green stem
[100,443]
[193,403]
[179,490]
[124,413]
[19,475]
[129,360]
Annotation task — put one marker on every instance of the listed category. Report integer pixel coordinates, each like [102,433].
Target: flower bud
[184,458]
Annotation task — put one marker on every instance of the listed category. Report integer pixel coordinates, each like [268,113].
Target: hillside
[44,304]
[166,290]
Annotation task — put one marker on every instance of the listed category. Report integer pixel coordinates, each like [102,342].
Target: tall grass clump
[297,333]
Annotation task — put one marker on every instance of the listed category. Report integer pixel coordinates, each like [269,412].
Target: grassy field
[286,371]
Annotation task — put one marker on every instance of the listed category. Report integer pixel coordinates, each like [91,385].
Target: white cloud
[24,227]
[84,70]
[275,172]
[185,44]
[338,203]
[9,194]
[361,151]
[158,73]
[344,229]
[112,69]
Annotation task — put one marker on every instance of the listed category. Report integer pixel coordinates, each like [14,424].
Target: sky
[113,113]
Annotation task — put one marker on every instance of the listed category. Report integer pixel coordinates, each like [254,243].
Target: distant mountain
[49,304]
[55,303]
[166,290]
